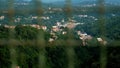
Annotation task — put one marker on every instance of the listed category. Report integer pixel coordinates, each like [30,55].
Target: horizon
[51,1]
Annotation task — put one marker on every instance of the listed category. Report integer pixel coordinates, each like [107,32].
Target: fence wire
[40,42]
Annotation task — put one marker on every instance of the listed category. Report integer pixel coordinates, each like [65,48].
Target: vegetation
[26,39]
[86,57]
[56,57]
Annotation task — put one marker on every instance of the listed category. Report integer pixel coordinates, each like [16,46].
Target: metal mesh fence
[69,49]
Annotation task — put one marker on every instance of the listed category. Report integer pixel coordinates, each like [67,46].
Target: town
[59,28]
[54,21]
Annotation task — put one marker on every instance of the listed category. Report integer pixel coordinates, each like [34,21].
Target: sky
[49,1]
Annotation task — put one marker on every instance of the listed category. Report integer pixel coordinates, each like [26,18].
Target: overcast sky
[51,0]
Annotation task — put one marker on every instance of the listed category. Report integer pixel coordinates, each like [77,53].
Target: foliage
[112,27]
[26,32]
[4,32]
[56,57]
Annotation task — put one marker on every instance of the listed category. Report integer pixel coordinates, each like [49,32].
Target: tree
[3,32]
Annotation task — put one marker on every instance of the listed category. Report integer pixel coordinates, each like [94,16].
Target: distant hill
[59,3]
[85,2]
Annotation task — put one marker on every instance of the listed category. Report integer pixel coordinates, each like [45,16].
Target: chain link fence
[61,53]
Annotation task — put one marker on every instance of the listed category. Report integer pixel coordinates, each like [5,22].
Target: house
[8,26]
[55,28]
[51,40]
[64,32]
[102,41]
[2,17]
[84,37]
[35,26]
[44,28]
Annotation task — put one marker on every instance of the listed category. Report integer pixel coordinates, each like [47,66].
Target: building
[8,26]
[102,41]
[55,28]
[44,28]
[2,17]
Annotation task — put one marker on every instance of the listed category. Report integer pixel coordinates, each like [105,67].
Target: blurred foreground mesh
[37,54]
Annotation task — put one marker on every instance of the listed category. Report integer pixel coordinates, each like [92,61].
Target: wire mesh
[41,44]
